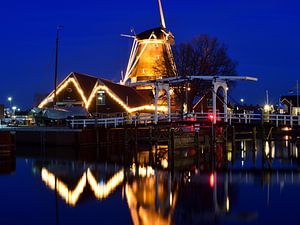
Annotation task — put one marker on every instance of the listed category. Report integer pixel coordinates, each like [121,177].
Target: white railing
[230,118]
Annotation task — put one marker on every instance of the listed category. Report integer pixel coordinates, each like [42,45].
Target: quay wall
[183,134]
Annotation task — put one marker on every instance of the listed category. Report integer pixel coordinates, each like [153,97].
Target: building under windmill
[150,59]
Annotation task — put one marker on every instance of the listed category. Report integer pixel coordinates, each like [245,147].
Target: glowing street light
[212,180]
[10,100]
[242,100]
[14,110]
[211,117]
[267,108]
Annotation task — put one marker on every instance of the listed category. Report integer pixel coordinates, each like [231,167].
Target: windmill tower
[151,56]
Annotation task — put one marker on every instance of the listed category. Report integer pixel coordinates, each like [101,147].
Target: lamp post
[297,87]
[14,110]
[187,89]
[242,103]
[9,99]
[211,117]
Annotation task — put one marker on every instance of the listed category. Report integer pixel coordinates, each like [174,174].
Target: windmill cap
[158,32]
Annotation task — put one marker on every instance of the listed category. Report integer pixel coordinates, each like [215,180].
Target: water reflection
[151,199]
[7,159]
[155,197]
[101,189]
[150,196]
[182,186]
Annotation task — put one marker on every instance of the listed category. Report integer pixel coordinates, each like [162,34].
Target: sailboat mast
[297,94]
[56,64]
[55,70]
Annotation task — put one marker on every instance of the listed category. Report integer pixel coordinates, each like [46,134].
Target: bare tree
[203,56]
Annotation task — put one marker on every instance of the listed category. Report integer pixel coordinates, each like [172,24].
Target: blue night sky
[263,36]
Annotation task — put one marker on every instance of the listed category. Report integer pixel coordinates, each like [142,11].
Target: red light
[212,180]
[211,117]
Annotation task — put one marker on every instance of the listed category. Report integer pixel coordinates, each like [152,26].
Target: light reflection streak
[143,208]
[101,191]
[227,204]
[143,171]
[71,197]
[270,149]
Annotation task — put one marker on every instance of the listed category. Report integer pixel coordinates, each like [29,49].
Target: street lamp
[211,117]
[267,108]
[242,100]
[187,90]
[9,99]
[14,109]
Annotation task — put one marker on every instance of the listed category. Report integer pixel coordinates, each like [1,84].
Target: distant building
[1,111]
[248,109]
[291,104]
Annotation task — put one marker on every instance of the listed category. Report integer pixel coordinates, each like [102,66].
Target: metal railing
[230,118]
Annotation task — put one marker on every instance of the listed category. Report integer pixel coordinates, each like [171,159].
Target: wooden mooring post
[254,136]
[171,150]
[233,144]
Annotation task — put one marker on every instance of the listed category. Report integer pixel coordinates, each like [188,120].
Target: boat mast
[56,64]
[297,94]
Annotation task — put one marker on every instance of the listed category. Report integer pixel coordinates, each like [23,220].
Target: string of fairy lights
[87,101]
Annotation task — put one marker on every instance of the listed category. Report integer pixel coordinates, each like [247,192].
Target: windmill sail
[162,18]
[151,56]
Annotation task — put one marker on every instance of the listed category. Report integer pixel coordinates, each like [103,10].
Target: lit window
[101,98]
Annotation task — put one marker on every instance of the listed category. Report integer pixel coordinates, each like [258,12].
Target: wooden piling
[254,135]
[233,141]
[171,150]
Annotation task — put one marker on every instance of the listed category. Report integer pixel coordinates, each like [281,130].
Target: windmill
[151,56]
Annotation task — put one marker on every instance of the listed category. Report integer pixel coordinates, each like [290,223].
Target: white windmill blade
[127,35]
[162,18]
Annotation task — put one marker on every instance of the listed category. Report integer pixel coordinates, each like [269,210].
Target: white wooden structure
[218,82]
[276,120]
